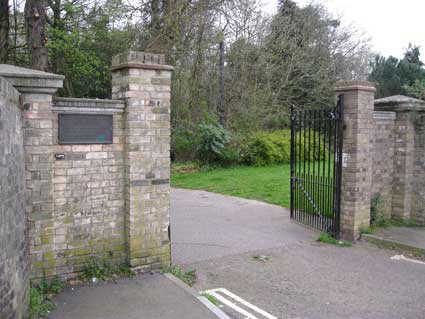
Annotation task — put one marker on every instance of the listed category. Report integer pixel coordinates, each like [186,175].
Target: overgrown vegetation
[328,239]
[40,304]
[214,146]
[377,214]
[188,277]
[238,71]
[97,269]
[235,66]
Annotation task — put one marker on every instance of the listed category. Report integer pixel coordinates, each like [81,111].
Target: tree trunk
[4,30]
[221,111]
[35,17]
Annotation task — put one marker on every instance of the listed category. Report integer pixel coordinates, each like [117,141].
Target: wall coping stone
[343,86]
[140,60]
[384,115]
[31,81]
[400,103]
[83,105]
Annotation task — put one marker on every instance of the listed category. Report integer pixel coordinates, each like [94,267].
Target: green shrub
[213,139]
[39,305]
[268,148]
[184,144]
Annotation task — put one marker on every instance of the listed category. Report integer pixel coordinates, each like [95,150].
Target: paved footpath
[219,236]
[142,297]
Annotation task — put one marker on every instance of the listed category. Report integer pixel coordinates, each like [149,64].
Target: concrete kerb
[213,308]
[392,244]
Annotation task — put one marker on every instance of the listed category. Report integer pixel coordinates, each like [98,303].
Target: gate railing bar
[309,216]
[329,194]
[304,159]
[300,198]
[314,163]
[293,163]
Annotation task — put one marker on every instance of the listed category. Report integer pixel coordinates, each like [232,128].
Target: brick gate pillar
[143,81]
[357,163]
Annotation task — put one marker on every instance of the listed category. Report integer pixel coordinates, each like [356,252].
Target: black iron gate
[316,165]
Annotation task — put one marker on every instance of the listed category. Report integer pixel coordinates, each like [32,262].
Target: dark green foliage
[384,74]
[417,89]
[184,143]
[84,56]
[213,139]
[377,217]
[87,75]
[405,76]
[209,144]
[102,270]
[40,304]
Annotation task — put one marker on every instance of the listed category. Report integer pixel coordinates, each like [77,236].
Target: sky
[390,24]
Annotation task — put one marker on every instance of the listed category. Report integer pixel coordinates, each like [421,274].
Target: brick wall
[105,200]
[87,197]
[14,279]
[418,189]
[408,171]
[382,151]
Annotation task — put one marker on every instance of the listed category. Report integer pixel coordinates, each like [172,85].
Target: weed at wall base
[97,269]
[328,239]
[188,277]
[41,297]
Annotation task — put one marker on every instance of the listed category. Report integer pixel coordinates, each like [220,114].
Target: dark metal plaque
[85,129]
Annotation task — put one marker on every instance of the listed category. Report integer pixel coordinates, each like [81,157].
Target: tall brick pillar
[143,80]
[37,89]
[357,167]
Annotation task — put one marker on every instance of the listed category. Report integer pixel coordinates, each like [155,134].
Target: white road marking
[401,257]
[248,315]
[232,305]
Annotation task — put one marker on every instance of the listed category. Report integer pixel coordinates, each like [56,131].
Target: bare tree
[4,30]
[35,16]
[221,106]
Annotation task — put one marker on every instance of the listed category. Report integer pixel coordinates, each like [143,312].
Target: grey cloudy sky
[391,24]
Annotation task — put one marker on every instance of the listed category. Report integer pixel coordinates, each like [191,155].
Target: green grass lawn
[269,184]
